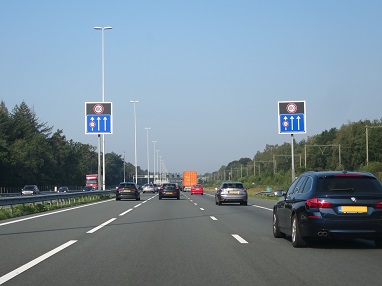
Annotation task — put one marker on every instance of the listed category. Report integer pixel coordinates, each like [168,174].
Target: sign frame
[98,118]
[291,117]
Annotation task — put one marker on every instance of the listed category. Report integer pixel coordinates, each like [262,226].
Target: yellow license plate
[353,209]
[126,191]
[234,192]
[169,193]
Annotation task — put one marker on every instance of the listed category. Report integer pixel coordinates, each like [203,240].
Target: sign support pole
[99,163]
[292,151]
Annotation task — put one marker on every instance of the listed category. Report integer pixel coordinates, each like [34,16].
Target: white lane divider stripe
[201,209]
[213,218]
[129,210]
[137,205]
[239,238]
[56,212]
[101,225]
[34,262]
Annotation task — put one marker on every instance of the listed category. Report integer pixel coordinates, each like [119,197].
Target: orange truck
[189,178]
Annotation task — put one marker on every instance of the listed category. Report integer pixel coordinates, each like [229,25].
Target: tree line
[355,146]
[30,153]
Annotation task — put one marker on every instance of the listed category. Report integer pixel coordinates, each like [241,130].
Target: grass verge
[28,209]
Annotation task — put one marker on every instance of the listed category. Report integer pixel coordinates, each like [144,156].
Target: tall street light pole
[124,167]
[158,163]
[135,140]
[154,161]
[148,159]
[102,29]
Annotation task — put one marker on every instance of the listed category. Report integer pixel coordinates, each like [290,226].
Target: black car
[127,190]
[169,190]
[325,205]
[63,189]
[88,188]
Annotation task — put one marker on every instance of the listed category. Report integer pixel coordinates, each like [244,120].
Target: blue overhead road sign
[292,117]
[98,118]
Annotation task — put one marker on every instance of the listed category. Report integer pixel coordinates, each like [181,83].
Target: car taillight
[318,204]
[119,189]
[378,205]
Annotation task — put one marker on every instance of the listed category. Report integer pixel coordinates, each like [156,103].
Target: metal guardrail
[17,200]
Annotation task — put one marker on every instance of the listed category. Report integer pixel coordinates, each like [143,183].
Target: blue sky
[208,73]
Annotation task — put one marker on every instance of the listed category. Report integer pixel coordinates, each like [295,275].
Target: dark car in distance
[127,190]
[88,189]
[169,190]
[63,189]
[329,205]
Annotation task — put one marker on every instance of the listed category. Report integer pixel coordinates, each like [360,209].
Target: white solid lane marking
[34,262]
[101,225]
[122,214]
[137,205]
[239,238]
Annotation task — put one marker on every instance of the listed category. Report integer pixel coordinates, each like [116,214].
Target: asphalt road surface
[190,241]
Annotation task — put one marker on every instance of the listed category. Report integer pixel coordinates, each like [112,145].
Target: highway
[190,241]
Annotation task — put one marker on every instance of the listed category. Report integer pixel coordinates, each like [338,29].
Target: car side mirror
[279,193]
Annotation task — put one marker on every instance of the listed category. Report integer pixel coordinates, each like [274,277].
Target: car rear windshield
[130,186]
[29,187]
[353,184]
[169,186]
[233,186]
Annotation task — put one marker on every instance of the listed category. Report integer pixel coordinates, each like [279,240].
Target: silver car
[30,190]
[148,188]
[231,192]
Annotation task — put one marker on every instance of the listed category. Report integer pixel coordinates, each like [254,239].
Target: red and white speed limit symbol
[285,124]
[291,108]
[98,109]
[92,124]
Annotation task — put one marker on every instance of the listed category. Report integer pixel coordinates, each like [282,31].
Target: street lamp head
[134,101]
[103,28]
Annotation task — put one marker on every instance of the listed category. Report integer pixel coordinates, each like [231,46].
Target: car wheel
[219,203]
[276,230]
[117,199]
[178,198]
[297,240]
[245,203]
[138,199]
[160,197]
